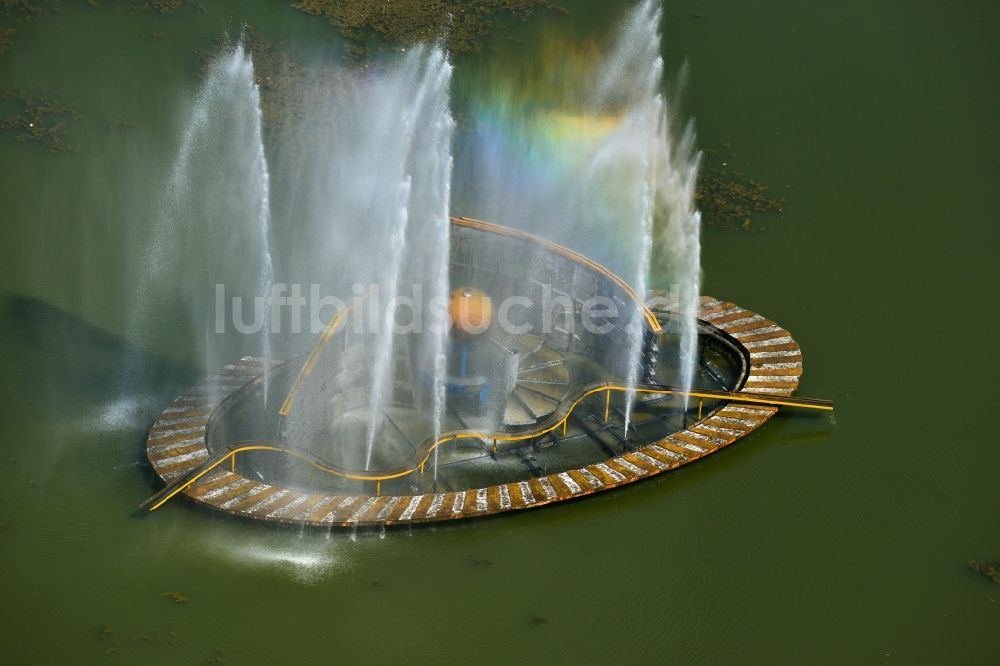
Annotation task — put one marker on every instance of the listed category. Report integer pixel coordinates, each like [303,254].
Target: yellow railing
[429,445]
[192,477]
[332,327]
[651,320]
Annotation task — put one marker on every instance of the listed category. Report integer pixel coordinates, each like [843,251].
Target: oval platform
[178,444]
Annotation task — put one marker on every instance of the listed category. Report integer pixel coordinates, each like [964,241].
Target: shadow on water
[65,367]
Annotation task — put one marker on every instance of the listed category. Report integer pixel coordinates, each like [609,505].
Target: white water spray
[260,172]
[620,189]
[423,166]
[679,243]
[382,364]
[441,163]
[214,214]
[666,171]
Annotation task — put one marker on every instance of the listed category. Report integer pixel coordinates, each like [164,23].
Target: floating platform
[178,446]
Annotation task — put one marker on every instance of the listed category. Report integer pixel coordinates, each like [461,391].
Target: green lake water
[815,540]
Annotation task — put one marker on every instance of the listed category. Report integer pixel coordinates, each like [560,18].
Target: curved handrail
[331,328]
[557,419]
[651,320]
[187,480]
[561,417]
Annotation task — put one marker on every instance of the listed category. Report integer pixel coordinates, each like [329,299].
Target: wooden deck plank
[608,475]
[250,496]
[313,501]
[701,442]
[160,454]
[219,495]
[296,500]
[409,508]
[738,321]
[181,463]
[627,468]
[583,482]
[668,452]
[323,509]
[727,435]
[269,502]
[210,481]
[587,479]
[680,450]
[664,458]
[492,499]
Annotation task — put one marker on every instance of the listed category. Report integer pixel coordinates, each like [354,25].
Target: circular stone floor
[178,444]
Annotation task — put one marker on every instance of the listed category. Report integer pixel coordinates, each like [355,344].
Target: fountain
[505,391]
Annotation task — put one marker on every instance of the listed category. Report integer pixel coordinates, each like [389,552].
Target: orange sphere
[470,310]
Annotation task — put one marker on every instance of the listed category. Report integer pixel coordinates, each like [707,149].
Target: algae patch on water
[990,568]
[729,199]
[39,120]
[21,8]
[170,6]
[7,40]
[121,124]
[462,23]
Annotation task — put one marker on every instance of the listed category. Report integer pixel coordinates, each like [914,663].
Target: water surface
[810,541]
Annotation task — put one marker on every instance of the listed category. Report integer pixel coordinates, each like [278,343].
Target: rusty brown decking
[177,444]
